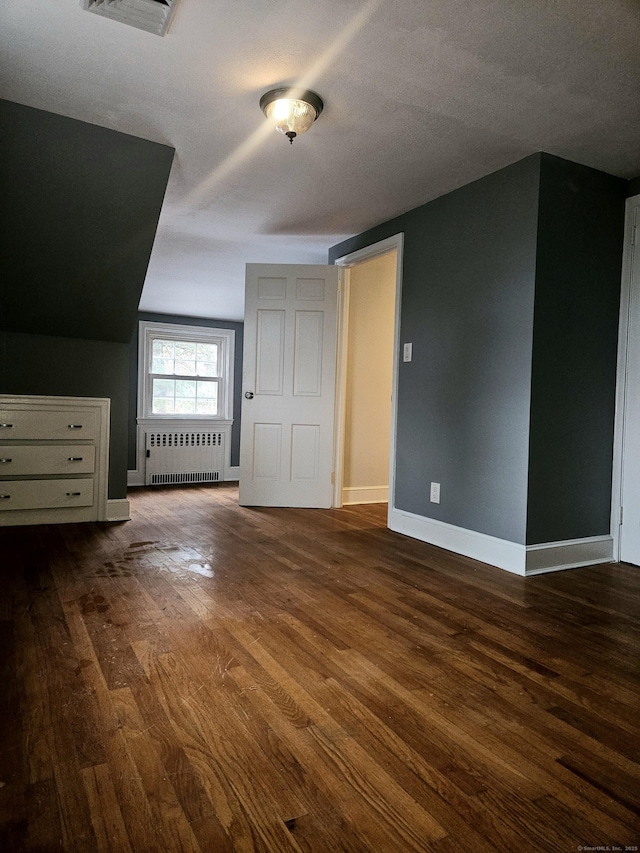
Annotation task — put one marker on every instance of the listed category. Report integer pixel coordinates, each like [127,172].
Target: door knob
[248,395]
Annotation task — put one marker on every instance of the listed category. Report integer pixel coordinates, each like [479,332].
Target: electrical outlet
[407,352]
[435,493]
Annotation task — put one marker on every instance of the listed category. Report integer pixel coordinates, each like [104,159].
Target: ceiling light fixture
[292,111]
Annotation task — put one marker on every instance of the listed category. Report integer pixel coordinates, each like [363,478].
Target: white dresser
[54,459]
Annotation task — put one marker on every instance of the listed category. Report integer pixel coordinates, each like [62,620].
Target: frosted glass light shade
[291,115]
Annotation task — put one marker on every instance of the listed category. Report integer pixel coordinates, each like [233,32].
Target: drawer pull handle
[73,494]
[3,461]
[75,426]
[6,426]
[71,459]
[4,497]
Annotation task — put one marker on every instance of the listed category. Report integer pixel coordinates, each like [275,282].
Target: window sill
[172,422]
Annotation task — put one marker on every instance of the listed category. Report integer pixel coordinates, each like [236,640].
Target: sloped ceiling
[421,97]
[80,209]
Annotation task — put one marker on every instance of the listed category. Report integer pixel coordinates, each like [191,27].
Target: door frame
[383,247]
[628,375]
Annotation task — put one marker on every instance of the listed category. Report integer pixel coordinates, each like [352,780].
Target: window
[185,372]
[174,391]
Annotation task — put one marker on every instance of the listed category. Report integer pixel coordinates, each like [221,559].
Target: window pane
[208,390]
[162,405]
[207,402]
[163,349]
[163,388]
[186,406]
[185,388]
[185,358]
[162,365]
[185,368]
[208,352]
[206,407]
[206,368]
[185,350]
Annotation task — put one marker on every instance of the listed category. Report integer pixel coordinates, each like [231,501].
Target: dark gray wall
[237,376]
[581,224]
[467,306]
[511,297]
[42,364]
[633,187]
[80,206]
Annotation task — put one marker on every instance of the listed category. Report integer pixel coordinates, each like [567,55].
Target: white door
[289,367]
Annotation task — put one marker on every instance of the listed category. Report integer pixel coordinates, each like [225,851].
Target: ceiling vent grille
[154,16]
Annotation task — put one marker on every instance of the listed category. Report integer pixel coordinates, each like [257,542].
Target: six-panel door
[289,364]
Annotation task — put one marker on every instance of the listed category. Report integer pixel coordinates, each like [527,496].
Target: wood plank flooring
[212,678]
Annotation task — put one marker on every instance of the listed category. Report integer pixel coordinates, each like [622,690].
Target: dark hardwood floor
[212,678]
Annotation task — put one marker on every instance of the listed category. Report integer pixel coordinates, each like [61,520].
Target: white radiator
[177,456]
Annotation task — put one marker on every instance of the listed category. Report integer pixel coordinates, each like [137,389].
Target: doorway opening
[368,335]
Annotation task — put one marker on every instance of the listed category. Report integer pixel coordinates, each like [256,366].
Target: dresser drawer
[45,494]
[28,459]
[68,423]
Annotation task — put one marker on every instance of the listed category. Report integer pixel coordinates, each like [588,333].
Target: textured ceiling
[421,97]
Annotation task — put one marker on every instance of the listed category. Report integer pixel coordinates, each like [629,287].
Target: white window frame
[148,332]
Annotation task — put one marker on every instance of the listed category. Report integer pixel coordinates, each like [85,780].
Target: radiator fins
[184,439]
[185,477]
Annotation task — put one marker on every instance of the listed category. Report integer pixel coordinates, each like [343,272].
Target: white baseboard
[568,554]
[232,473]
[135,478]
[488,549]
[364,495]
[118,510]
[525,560]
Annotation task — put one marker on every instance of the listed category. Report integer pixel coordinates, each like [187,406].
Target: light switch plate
[407,352]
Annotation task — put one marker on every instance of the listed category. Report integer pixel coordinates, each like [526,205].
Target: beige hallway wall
[369,380]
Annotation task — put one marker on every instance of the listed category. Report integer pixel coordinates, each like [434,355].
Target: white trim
[365,495]
[344,290]
[118,510]
[383,247]
[623,390]
[188,423]
[147,330]
[524,560]
[488,549]
[232,473]
[135,478]
[568,554]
